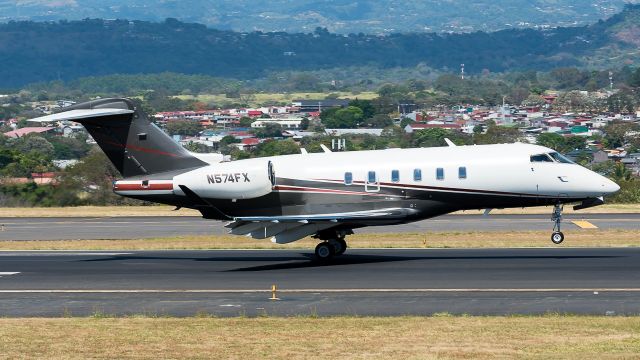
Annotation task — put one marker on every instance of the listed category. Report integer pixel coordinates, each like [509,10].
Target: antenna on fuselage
[325,149]
[449,142]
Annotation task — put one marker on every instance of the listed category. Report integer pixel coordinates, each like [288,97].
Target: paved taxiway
[362,282]
[145,227]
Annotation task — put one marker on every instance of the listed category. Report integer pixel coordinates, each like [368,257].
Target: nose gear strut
[557,237]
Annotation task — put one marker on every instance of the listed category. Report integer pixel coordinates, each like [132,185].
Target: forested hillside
[33,52]
[342,16]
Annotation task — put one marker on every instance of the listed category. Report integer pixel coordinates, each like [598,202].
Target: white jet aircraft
[327,195]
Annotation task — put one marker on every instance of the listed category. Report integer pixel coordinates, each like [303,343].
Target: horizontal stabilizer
[79,114]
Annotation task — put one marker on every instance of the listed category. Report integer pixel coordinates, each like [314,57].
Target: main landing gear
[333,244]
[557,237]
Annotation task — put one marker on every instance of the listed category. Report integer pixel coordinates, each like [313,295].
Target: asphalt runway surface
[604,281]
[148,227]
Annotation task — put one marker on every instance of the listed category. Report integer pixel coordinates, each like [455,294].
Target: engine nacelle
[243,179]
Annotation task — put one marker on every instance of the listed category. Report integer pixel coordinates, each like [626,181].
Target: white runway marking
[312,291]
[8,273]
[56,253]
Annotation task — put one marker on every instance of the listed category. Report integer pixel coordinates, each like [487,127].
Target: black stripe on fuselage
[312,197]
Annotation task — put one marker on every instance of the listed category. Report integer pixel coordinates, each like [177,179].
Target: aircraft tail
[136,146]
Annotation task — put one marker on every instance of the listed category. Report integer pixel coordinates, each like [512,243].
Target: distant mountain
[32,52]
[341,16]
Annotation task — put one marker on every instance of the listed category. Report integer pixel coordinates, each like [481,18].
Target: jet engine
[243,179]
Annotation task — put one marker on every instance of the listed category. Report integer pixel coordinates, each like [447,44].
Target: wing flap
[300,232]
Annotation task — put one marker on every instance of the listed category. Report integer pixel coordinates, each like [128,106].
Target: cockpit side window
[541,158]
[560,158]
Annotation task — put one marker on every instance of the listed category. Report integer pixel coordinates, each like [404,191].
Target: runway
[147,227]
[362,282]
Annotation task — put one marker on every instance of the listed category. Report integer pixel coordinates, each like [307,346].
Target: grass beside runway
[162,210]
[502,239]
[541,337]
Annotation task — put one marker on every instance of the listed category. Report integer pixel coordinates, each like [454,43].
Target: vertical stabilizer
[136,146]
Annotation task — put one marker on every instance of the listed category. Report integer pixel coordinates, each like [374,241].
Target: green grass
[258,99]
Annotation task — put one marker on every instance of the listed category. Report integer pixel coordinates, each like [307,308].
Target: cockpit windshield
[541,158]
[560,158]
[551,157]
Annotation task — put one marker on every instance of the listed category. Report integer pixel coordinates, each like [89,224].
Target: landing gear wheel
[324,251]
[557,237]
[339,246]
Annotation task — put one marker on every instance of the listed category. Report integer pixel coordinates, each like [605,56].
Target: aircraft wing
[289,228]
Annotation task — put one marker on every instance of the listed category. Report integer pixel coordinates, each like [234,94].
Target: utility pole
[611,80]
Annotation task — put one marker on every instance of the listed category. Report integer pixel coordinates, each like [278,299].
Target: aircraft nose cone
[610,187]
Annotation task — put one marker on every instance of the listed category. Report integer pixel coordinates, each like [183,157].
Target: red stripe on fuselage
[129,187]
[143,149]
[434,188]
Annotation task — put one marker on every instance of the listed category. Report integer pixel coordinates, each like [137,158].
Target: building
[285,123]
[415,127]
[307,106]
[29,130]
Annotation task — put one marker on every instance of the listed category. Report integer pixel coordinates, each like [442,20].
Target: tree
[304,124]
[430,137]
[347,118]
[368,110]
[229,139]
[552,141]
[246,121]
[184,127]
[616,133]
[89,181]
[270,130]
[534,100]
[34,144]
[277,147]
[380,121]
[497,135]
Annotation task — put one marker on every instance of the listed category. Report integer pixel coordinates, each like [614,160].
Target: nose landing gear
[557,237]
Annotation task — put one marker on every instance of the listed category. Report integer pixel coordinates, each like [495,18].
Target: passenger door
[372,182]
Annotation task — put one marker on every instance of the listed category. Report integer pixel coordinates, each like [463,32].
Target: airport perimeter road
[146,227]
[362,282]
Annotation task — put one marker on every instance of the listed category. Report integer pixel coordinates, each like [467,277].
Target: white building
[286,123]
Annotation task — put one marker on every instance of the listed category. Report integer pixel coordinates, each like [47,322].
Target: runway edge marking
[238,291]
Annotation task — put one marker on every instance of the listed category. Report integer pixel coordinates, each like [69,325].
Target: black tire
[339,247]
[324,251]
[557,237]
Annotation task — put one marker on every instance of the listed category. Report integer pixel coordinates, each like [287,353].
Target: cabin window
[541,158]
[560,158]
[371,178]
[439,174]
[462,172]
[142,136]
[348,178]
[395,176]
[417,175]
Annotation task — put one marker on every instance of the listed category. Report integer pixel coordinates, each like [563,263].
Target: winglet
[449,142]
[325,149]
